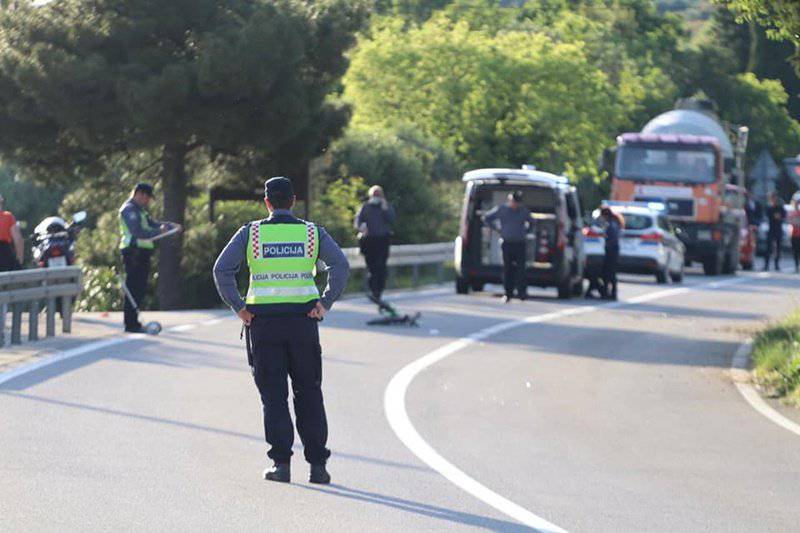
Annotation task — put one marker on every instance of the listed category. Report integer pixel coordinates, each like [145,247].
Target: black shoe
[278,472]
[589,295]
[319,475]
[135,329]
[523,297]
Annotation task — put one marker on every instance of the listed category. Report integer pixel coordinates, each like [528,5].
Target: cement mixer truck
[686,161]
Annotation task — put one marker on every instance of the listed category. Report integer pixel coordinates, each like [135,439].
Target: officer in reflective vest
[281,313]
[137,227]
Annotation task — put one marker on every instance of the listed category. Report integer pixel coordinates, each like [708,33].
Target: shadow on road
[409,506]
[196,427]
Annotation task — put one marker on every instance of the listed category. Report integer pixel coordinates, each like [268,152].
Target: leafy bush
[403,165]
[101,290]
[776,353]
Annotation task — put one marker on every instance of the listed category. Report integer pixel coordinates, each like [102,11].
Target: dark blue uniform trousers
[287,346]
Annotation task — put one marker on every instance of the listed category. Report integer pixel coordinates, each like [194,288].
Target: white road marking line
[63,356]
[394,400]
[182,328]
[212,322]
[741,377]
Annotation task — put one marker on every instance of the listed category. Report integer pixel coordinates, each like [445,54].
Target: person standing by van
[513,220]
[776,215]
[614,224]
[374,224]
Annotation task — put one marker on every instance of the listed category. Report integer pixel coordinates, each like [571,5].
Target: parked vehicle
[555,256]
[684,159]
[735,198]
[649,243]
[747,247]
[53,241]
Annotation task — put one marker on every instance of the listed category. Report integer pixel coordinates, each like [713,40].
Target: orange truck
[685,160]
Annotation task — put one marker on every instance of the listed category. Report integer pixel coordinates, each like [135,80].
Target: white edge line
[182,328]
[741,378]
[394,400]
[63,356]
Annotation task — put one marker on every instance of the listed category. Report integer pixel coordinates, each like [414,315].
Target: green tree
[505,99]
[407,165]
[781,17]
[83,82]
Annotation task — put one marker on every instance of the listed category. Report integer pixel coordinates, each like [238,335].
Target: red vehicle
[748,235]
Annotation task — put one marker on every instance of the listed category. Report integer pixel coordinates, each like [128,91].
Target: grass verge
[776,359]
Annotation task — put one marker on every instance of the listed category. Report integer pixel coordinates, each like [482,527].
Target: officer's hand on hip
[318,312]
[245,315]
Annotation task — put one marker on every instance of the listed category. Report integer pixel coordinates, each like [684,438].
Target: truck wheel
[462,286]
[731,260]
[565,291]
[661,276]
[711,266]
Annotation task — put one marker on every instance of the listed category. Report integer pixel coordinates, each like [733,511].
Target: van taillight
[717,235]
[561,241]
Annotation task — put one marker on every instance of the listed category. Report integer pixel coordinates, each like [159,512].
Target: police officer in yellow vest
[282,311]
[137,228]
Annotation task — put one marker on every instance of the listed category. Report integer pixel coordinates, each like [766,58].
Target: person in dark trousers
[374,223]
[593,275]
[513,219]
[12,245]
[614,225]
[794,219]
[753,211]
[776,215]
[138,228]
[11,253]
[281,314]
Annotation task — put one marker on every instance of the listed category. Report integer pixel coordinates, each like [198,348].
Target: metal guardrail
[413,255]
[26,290]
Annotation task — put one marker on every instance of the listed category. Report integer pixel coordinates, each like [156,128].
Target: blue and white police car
[648,243]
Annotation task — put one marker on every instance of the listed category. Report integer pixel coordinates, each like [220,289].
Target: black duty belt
[249,346]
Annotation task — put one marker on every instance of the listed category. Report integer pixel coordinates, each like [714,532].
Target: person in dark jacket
[614,225]
[138,229]
[776,215]
[374,224]
[514,220]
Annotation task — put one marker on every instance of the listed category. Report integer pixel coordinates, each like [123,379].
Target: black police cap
[143,187]
[278,187]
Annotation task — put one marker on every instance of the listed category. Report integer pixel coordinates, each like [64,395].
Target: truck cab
[687,172]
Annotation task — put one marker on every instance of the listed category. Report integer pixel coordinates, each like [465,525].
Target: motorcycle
[53,241]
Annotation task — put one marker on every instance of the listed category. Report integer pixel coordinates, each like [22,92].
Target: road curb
[742,378]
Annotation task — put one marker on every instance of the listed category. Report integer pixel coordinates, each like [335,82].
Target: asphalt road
[606,418]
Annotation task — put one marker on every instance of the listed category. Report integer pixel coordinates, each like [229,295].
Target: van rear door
[484,242]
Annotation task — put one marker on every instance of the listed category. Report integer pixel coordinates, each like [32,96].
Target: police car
[648,243]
